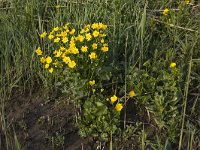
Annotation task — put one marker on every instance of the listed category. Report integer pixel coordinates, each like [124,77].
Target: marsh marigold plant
[77,56]
[71,47]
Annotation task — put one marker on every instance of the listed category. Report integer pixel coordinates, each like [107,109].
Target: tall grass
[134,33]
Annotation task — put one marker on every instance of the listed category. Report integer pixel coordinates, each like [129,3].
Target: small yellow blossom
[66,59]
[93,55]
[84,48]
[102,35]
[92,82]
[38,51]
[58,53]
[165,12]
[65,40]
[46,66]
[80,38]
[113,98]
[56,40]
[56,29]
[95,33]
[63,33]
[66,26]
[74,50]
[118,107]
[88,37]
[102,26]
[102,40]
[187,1]
[131,93]
[95,26]
[104,48]
[82,31]
[71,64]
[172,65]
[44,34]
[72,31]
[87,26]
[94,46]
[42,60]
[50,36]
[105,44]
[51,70]
[48,60]
[58,35]
[62,48]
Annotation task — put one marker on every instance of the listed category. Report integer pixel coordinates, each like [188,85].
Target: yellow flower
[95,26]
[87,26]
[56,40]
[51,36]
[95,33]
[88,36]
[187,1]
[102,40]
[118,107]
[71,64]
[172,65]
[84,48]
[58,34]
[43,34]
[104,48]
[80,38]
[94,46]
[65,40]
[72,31]
[62,48]
[66,26]
[102,35]
[66,59]
[46,66]
[82,31]
[131,93]
[42,60]
[93,55]
[56,29]
[87,29]
[74,50]
[165,12]
[58,53]
[113,98]
[92,82]
[48,60]
[38,51]
[51,70]
[63,33]
[102,26]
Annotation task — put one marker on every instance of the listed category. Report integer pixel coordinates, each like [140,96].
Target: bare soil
[44,125]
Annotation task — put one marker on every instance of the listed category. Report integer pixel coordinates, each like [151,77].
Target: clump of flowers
[77,55]
[72,47]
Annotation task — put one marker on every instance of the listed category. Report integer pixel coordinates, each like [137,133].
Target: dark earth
[43,125]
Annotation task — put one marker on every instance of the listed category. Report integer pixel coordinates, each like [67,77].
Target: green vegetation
[130,69]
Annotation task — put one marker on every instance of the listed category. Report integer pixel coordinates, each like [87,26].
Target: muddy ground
[42,124]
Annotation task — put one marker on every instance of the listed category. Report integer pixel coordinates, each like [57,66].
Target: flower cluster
[70,46]
[118,106]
